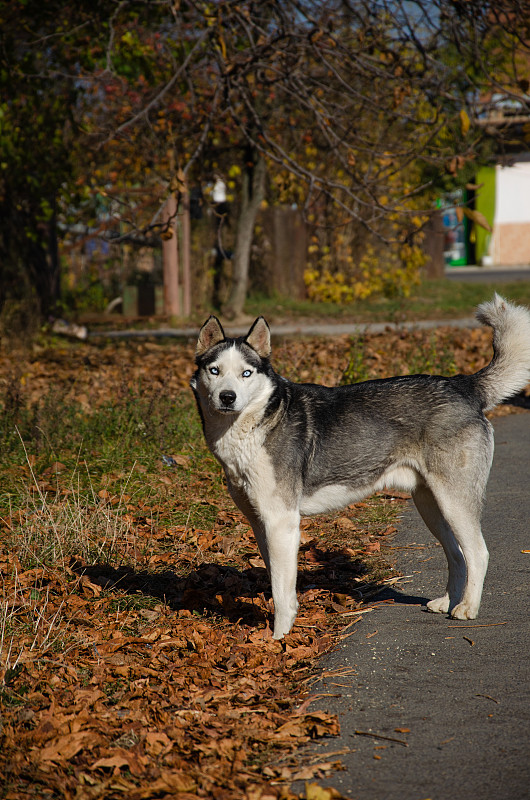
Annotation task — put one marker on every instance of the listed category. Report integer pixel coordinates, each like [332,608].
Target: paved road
[488,274]
[292,329]
[462,693]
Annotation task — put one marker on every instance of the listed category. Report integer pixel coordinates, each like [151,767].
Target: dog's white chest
[243,457]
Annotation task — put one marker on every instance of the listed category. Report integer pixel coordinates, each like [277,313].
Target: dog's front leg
[278,544]
[278,538]
[277,533]
[282,534]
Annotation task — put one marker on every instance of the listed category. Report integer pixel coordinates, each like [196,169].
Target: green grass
[109,441]
[436,299]
[70,478]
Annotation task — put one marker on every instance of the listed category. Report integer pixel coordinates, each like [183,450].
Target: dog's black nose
[227,398]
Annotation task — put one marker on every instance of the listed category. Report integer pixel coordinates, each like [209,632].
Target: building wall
[511,230]
[511,243]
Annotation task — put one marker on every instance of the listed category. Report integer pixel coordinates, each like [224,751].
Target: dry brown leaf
[169,782]
[157,742]
[119,760]
[65,747]
[315,792]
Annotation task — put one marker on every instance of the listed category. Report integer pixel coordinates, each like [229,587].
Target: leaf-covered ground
[135,624]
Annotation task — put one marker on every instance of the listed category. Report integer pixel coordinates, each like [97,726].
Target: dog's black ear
[210,334]
[259,337]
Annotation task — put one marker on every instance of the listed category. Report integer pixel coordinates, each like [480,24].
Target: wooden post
[170,259]
[186,244]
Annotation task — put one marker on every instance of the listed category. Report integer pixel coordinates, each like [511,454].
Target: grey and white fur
[290,449]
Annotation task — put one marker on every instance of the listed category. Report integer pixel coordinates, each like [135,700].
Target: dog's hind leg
[464,517]
[434,519]
[454,518]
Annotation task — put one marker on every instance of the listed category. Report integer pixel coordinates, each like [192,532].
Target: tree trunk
[170,260]
[252,195]
[434,246]
[44,269]
[54,265]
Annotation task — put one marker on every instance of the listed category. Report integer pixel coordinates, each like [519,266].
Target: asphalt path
[488,274]
[456,695]
[292,329]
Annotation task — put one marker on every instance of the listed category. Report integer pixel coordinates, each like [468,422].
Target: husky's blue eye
[214,370]
[247,373]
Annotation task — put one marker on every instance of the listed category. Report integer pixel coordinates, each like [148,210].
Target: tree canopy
[359,106]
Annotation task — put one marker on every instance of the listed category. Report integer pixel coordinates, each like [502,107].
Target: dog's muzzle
[227,398]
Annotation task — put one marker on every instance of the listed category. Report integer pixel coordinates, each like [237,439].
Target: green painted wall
[485,203]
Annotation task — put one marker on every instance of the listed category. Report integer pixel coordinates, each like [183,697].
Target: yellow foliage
[347,263]
[465,122]
[396,271]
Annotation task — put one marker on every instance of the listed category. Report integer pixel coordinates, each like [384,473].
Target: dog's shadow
[208,589]
[231,593]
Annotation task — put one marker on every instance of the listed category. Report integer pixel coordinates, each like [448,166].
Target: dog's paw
[281,630]
[439,606]
[464,611]
[283,625]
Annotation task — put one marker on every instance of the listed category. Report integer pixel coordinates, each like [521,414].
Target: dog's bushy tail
[509,370]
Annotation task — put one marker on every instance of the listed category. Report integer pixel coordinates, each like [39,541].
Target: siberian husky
[292,449]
